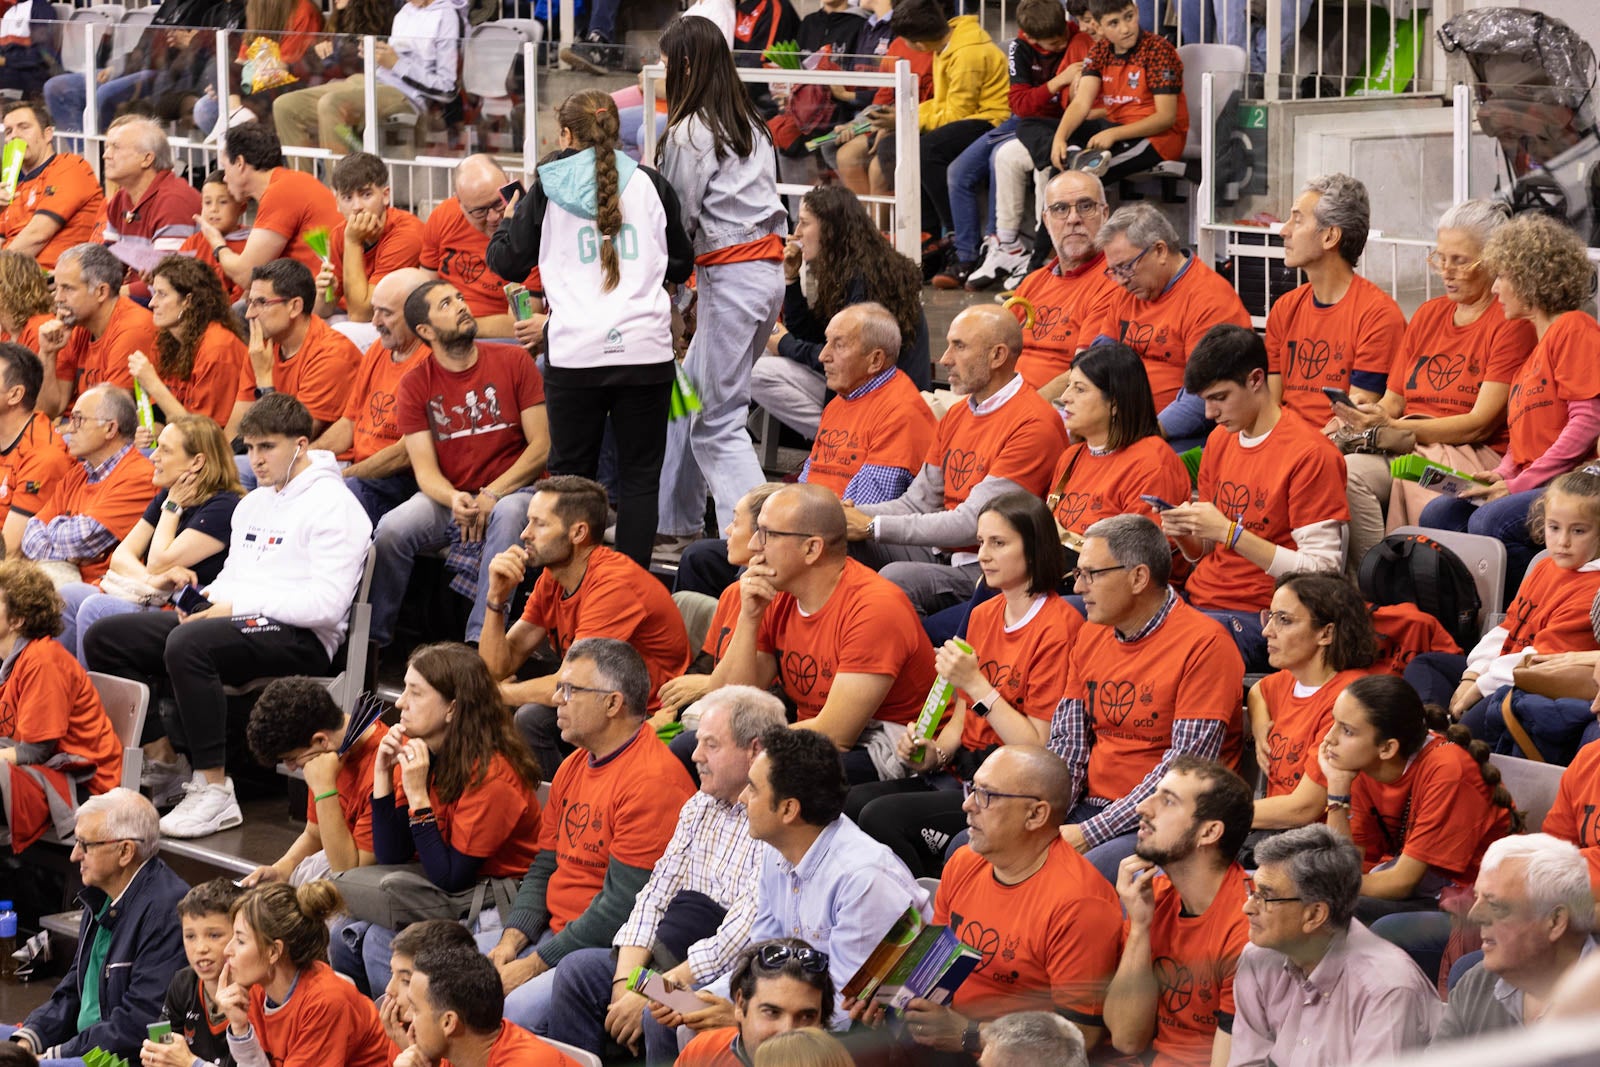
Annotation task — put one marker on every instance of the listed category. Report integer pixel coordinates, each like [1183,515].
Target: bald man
[456,238]
[379,473]
[843,643]
[1000,438]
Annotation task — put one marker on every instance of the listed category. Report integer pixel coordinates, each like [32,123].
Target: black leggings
[915,818]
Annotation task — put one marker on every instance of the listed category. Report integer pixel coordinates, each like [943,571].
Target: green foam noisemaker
[317,241]
[1430,475]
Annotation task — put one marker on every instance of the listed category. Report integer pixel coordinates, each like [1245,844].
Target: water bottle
[8,939]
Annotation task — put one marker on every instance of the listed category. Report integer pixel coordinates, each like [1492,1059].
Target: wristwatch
[171,507]
[263,390]
[970,1042]
[982,708]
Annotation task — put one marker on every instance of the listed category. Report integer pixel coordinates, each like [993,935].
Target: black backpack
[1418,569]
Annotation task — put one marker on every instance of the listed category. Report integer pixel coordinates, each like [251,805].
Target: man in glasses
[777,986]
[1072,291]
[455,240]
[130,943]
[293,350]
[94,331]
[1314,986]
[1150,679]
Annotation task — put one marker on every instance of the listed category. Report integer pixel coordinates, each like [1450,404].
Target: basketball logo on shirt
[8,719]
[380,410]
[1232,499]
[1309,356]
[960,464]
[801,669]
[1072,508]
[575,822]
[1001,675]
[1116,700]
[979,937]
[1443,370]
[459,263]
[1176,982]
[1588,826]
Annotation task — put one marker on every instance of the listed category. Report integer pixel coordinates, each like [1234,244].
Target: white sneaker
[205,809]
[983,274]
[1021,271]
[164,782]
[1002,263]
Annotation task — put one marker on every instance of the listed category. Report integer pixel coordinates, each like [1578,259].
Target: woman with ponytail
[606,235]
[285,1006]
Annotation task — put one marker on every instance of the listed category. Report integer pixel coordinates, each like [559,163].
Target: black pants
[704,568]
[639,426]
[196,660]
[913,817]
[940,147]
[1127,157]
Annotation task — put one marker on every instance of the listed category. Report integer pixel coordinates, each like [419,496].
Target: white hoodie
[296,556]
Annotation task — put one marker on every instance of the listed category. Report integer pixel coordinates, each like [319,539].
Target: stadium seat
[1227,64]
[74,59]
[125,39]
[583,1056]
[1485,558]
[491,51]
[1532,785]
[126,702]
[930,884]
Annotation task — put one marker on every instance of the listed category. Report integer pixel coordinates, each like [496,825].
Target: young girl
[718,157]
[614,235]
[1007,689]
[1320,638]
[284,1004]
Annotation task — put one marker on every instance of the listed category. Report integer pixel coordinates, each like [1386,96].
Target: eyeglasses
[1440,264]
[87,845]
[76,420]
[259,302]
[981,797]
[1124,272]
[481,213]
[762,533]
[564,690]
[1256,895]
[1086,209]
[1088,575]
[772,957]
[1277,618]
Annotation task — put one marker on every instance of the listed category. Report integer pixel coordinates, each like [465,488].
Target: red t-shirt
[1440,365]
[319,375]
[1188,667]
[88,361]
[1194,958]
[1112,484]
[723,621]
[623,808]
[1063,302]
[1131,81]
[1027,664]
[197,246]
[496,820]
[166,213]
[1292,478]
[454,249]
[326,1020]
[294,204]
[1405,632]
[1165,330]
[1299,723]
[889,427]
[1049,943]
[29,337]
[1551,611]
[1575,815]
[48,697]
[221,371]
[516,1047]
[370,406]
[615,598]
[116,502]
[1562,367]
[867,626]
[1313,346]
[65,189]
[399,245]
[32,466]
[475,415]
[354,782]
[711,1048]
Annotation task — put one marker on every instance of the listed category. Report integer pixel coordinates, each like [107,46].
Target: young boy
[374,239]
[218,208]
[1138,78]
[199,1029]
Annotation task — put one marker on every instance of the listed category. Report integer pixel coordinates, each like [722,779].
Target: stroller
[1535,88]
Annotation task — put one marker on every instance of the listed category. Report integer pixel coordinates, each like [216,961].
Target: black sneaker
[594,54]
[955,272]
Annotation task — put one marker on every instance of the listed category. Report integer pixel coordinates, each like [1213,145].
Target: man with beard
[1173,990]
[585,590]
[1070,292]
[94,331]
[473,421]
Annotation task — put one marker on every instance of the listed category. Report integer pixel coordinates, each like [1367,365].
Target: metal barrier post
[91,106]
[569,23]
[908,164]
[1205,207]
[1461,145]
[647,131]
[224,58]
[369,66]
[530,113]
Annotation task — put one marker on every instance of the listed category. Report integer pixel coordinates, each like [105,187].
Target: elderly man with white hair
[151,204]
[130,943]
[1026,1038]
[1537,913]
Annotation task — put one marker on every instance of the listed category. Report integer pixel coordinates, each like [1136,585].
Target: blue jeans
[379,496]
[1505,519]
[1245,629]
[1184,422]
[630,129]
[972,177]
[1423,934]
[84,605]
[65,97]
[529,1003]
[577,1011]
[6,1030]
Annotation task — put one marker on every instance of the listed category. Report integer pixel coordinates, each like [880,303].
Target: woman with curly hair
[1543,274]
[201,357]
[48,706]
[25,300]
[850,262]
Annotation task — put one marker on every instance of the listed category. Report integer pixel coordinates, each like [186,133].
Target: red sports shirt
[1575,815]
[371,404]
[1063,303]
[1299,723]
[1562,367]
[1114,483]
[1194,958]
[1027,663]
[1440,365]
[294,204]
[88,361]
[1315,347]
[889,427]
[497,820]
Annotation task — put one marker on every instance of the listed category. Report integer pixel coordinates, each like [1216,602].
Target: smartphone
[1337,396]
[510,190]
[1156,502]
[159,1031]
[189,600]
[522,302]
[653,987]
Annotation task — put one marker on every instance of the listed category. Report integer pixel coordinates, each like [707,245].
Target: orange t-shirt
[1165,330]
[1551,611]
[1291,478]
[498,820]
[88,361]
[1064,302]
[1019,440]
[48,697]
[1561,367]
[1050,942]
[867,626]
[354,782]
[1189,667]
[65,189]
[623,808]
[326,1020]
[294,204]
[615,598]
[370,405]
[32,466]
[1405,632]
[1027,663]
[1299,723]
[221,370]
[399,245]
[116,502]
[319,375]
[711,1048]
[889,427]
[1112,484]
[1194,958]
[1575,815]
[29,336]
[1313,346]
[454,249]
[197,245]
[723,621]
[516,1047]
[1440,365]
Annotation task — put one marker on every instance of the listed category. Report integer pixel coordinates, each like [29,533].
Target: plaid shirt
[73,537]
[1072,738]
